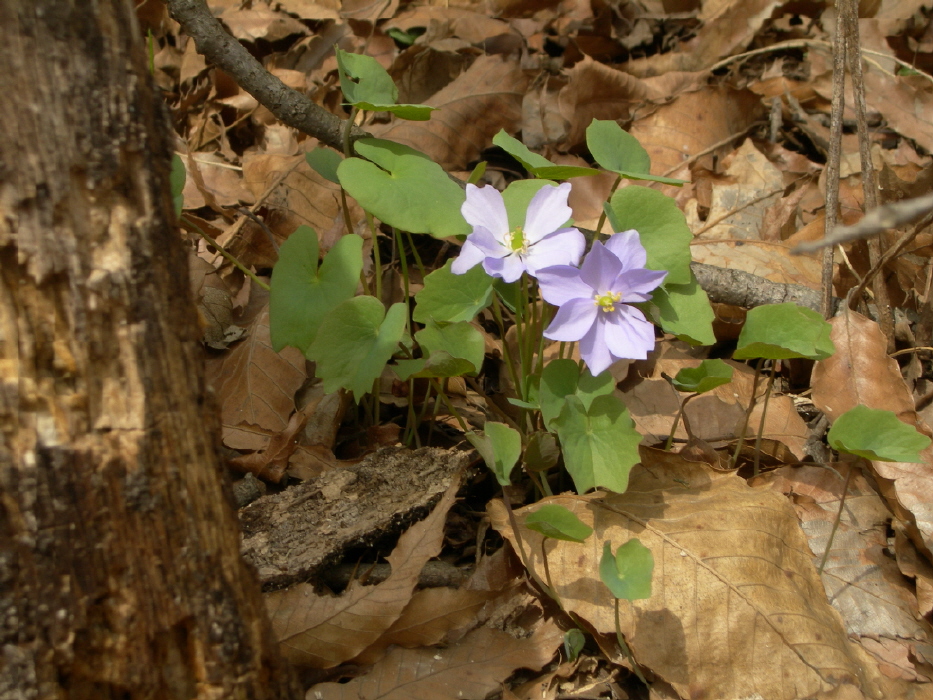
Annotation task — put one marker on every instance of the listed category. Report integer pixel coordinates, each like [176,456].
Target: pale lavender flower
[594,302]
[541,242]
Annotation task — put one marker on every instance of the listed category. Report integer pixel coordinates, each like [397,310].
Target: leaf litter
[741,605]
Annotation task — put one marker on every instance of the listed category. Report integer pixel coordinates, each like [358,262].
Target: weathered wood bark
[120,573]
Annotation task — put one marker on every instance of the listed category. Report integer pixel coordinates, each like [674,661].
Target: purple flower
[507,253]
[594,300]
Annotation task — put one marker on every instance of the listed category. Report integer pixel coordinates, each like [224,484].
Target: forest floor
[392,574]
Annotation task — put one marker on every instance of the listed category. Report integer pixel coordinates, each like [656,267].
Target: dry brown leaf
[861,373]
[473,108]
[737,608]
[432,616]
[862,582]
[270,463]
[324,631]
[468,670]
[254,384]
[596,91]
[249,25]
[221,183]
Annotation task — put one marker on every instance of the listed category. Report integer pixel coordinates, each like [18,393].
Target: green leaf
[876,434]
[628,573]
[440,364]
[684,310]
[459,340]
[450,297]
[302,294]
[177,183]
[556,521]
[404,188]
[541,453]
[706,377]
[783,331]
[366,85]
[618,151]
[537,165]
[574,640]
[561,378]
[661,226]
[477,173]
[600,444]
[324,162]
[355,342]
[500,447]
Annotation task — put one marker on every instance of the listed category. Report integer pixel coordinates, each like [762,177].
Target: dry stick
[869,185]
[835,154]
[288,105]
[832,533]
[888,256]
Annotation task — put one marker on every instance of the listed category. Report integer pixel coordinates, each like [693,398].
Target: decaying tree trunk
[120,573]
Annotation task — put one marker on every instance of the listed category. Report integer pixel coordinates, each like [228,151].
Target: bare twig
[835,154]
[887,216]
[221,49]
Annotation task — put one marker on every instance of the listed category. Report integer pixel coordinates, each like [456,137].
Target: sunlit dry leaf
[312,9]
[323,631]
[254,384]
[473,108]
[261,23]
[432,615]
[861,580]
[596,91]
[737,608]
[470,669]
[861,373]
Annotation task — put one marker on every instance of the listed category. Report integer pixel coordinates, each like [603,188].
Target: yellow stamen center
[516,240]
[606,302]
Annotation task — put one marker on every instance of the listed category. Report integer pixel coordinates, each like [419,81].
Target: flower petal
[628,248]
[547,212]
[563,247]
[637,285]
[487,242]
[600,268]
[628,334]
[594,351]
[562,283]
[509,268]
[484,207]
[470,256]
[573,320]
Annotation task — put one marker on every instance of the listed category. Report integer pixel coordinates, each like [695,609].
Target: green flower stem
[680,412]
[545,320]
[414,252]
[764,412]
[520,333]
[442,393]
[229,256]
[602,217]
[748,414]
[832,533]
[624,647]
[403,260]
[377,256]
[506,355]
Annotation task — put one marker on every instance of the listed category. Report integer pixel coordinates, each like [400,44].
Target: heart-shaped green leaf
[784,331]
[355,342]
[617,150]
[556,521]
[404,188]
[628,573]
[303,293]
[600,444]
[876,434]
[450,297]
[705,377]
[366,85]
[500,447]
[537,165]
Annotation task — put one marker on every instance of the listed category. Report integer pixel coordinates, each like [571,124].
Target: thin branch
[288,105]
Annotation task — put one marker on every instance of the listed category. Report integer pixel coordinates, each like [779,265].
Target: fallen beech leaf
[255,384]
[324,631]
[862,373]
[473,108]
[468,670]
[737,608]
